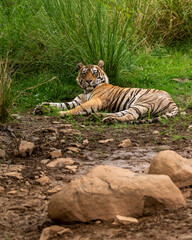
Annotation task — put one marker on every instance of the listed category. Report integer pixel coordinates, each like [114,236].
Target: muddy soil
[24,197]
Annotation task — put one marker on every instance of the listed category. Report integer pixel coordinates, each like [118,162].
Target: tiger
[120,104]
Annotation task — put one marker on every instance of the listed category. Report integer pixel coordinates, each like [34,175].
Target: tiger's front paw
[110,120]
[64,113]
[40,110]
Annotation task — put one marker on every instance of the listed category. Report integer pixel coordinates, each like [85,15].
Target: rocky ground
[29,177]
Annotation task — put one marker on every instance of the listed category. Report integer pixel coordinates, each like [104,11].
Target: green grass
[147,69]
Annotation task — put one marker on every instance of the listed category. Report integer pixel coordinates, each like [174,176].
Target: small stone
[125,220]
[13,174]
[33,203]
[52,139]
[16,168]
[85,142]
[55,122]
[2,189]
[60,162]
[45,161]
[98,222]
[106,140]
[155,132]
[76,144]
[72,168]
[73,149]
[190,127]
[43,180]
[2,153]
[69,152]
[125,143]
[12,192]
[27,183]
[70,131]
[54,190]
[47,232]
[23,190]
[26,148]
[65,126]
[56,154]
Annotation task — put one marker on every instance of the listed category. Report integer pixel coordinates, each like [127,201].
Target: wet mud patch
[27,183]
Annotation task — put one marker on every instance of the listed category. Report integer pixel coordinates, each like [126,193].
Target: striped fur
[122,104]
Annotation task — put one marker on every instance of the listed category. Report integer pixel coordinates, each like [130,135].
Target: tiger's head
[91,76]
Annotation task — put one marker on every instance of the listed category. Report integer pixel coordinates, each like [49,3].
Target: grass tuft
[5,91]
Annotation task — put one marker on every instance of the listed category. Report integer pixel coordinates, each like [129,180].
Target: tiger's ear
[79,65]
[101,64]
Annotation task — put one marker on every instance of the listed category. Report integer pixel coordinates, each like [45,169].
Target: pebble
[56,154]
[54,190]
[73,149]
[60,162]
[125,220]
[72,168]
[155,132]
[46,233]
[26,148]
[45,161]
[43,180]
[106,140]
[125,143]
[13,174]
[2,189]
[85,142]
[2,153]
[12,192]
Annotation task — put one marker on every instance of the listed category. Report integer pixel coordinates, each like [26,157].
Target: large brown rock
[170,163]
[107,191]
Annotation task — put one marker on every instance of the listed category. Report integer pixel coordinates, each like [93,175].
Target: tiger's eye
[95,73]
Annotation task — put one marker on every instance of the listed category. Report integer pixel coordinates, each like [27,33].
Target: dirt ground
[24,197]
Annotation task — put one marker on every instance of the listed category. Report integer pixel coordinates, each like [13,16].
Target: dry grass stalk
[7,99]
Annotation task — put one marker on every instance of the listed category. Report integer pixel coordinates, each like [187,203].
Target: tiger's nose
[88,81]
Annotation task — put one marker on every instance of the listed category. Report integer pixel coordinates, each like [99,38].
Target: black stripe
[163,109]
[67,105]
[92,110]
[121,101]
[117,99]
[128,99]
[158,107]
[84,110]
[96,92]
[137,111]
[114,97]
[146,92]
[77,103]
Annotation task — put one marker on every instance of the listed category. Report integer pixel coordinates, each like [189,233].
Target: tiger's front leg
[48,106]
[86,108]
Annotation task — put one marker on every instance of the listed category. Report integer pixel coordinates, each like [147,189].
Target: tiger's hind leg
[135,113]
[130,115]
